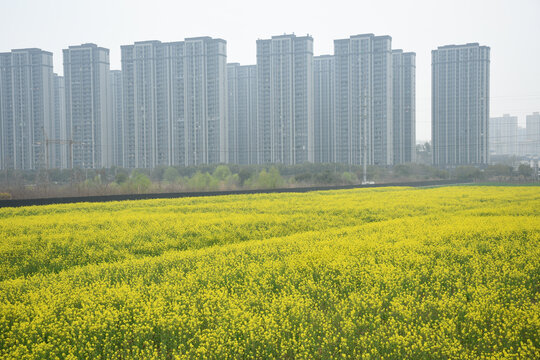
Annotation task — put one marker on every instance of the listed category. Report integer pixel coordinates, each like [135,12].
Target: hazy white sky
[510,27]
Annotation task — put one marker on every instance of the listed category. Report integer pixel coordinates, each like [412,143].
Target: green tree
[403,170]
[304,177]
[202,181]
[349,177]
[525,170]
[139,181]
[467,173]
[233,181]
[171,174]
[270,180]
[499,170]
[121,177]
[198,181]
[326,177]
[222,172]
[245,173]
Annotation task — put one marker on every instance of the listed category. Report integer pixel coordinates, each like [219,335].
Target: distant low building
[503,135]
[522,144]
[533,133]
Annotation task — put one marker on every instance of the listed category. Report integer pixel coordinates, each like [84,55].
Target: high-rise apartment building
[116,101]
[285,99]
[323,85]
[460,104]
[206,107]
[175,103]
[147,132]
[404,106]
[363,100]
[503,135]
[86,76]
[533,133]
[242,113]
[26,108]
[59,142]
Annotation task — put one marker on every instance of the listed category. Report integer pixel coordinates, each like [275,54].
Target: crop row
[400,273]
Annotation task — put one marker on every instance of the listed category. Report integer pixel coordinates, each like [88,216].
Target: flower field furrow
[363,274]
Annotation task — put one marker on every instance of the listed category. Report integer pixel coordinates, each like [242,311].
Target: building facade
[116,101]
[86,76]
[460,105]
[523,146]
[285,100]
[146,105]
[404,106]
[175,103]
[26,108]
[205,79]
[363,100]
[242,113]
[533,133]
[324,124]
[59,143]
[503,135]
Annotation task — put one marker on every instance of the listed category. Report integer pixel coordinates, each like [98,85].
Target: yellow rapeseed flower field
[388,273]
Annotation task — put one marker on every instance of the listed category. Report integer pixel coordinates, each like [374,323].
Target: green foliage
[59,175]
[270,180]
[525,170]
[467,173]
[326,178]
[377,173]
[121,177]
[171,174]
[305,177]
[233,181]
[221,173]
[499,170]
[244,174]
[349,177]
[5,196]
[139,182]
[403,170]
[199,181]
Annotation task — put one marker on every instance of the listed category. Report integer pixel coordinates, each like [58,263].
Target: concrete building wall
[323,86]
[503,135]
[285,99]
[533,133]
[363,100]
[382,101]
[460,105]
[26,108]
[116,102]
[175,102]
[86,75]
[60,156]
[404,106]
[242,113]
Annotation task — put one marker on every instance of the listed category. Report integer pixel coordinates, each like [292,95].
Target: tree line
[76,182]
